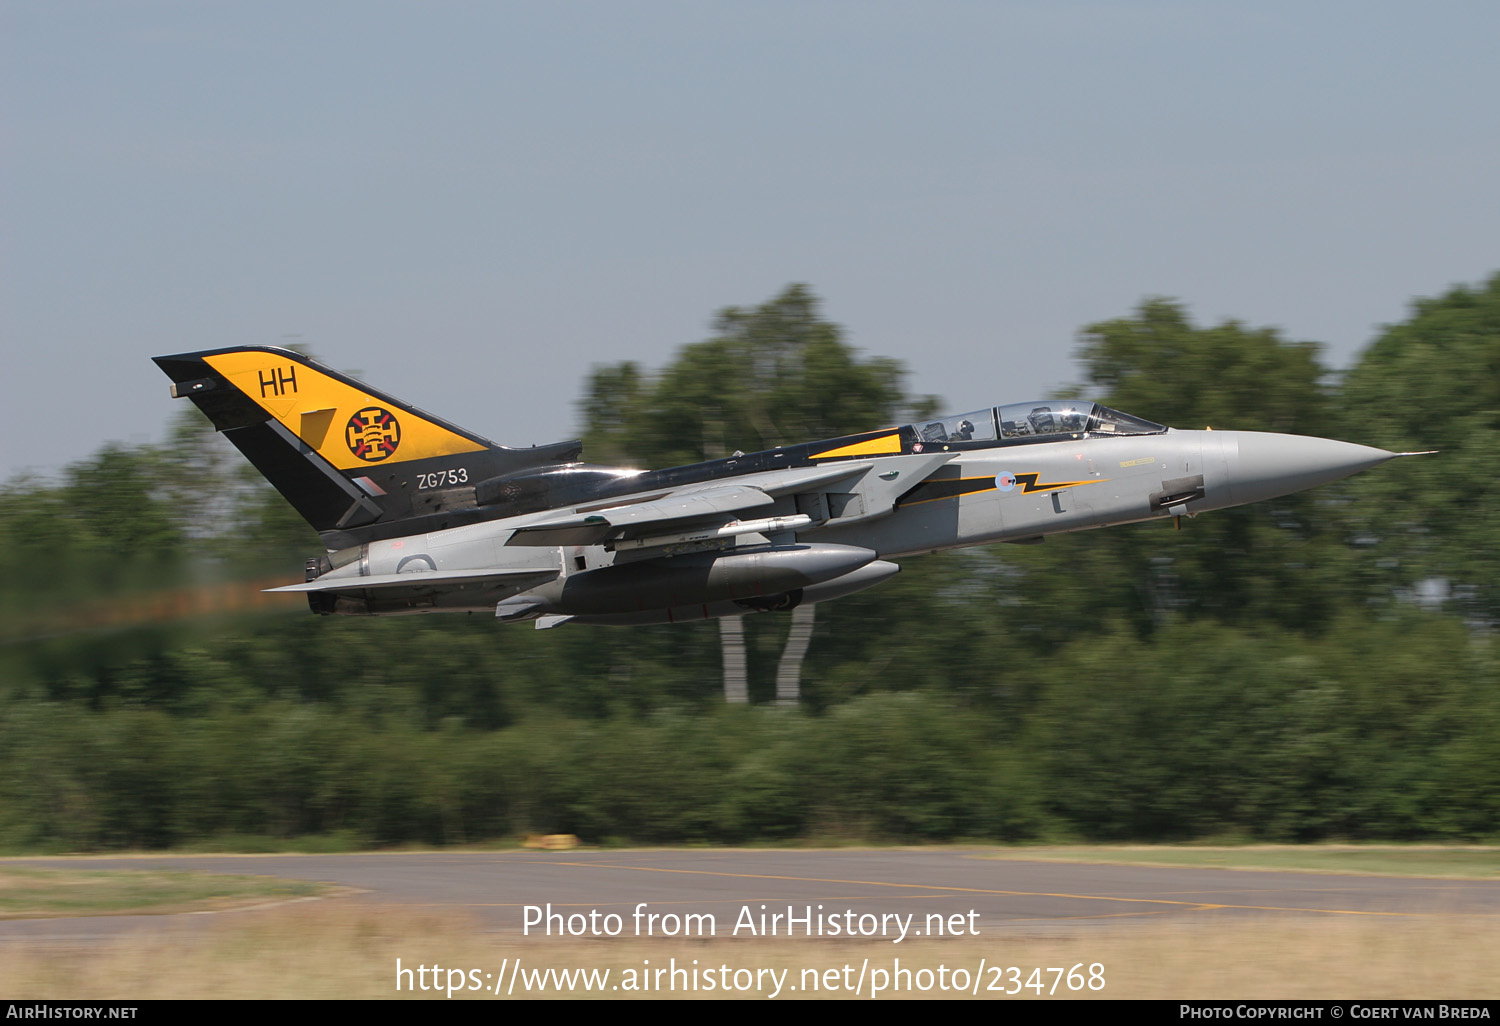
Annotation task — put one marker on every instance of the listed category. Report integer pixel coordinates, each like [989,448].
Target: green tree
[1433,382]
[1158,364]
[771,375]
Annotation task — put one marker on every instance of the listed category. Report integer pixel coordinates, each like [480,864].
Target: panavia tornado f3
[419,515]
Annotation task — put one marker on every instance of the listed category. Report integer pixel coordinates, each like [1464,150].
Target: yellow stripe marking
[870,447]
[1032,486]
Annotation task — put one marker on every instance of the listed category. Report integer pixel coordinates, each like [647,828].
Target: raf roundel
[373,434]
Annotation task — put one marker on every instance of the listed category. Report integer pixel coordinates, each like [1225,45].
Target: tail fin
[356,463]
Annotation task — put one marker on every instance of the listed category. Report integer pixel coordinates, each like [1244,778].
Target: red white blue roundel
[1005,481]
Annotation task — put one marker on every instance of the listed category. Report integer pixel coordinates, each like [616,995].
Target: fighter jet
[418,515]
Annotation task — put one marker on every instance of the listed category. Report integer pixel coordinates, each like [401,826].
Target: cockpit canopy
[1045,420]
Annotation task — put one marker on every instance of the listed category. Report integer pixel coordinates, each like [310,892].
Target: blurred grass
[348,949]
[1467,862]
[29,893]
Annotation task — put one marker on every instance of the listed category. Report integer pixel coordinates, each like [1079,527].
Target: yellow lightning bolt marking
[1030,485]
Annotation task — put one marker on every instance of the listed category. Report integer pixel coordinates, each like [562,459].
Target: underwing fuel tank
[690,580]
[866,576]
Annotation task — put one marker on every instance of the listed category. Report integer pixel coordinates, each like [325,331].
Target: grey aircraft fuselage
[419,515]
[836,537]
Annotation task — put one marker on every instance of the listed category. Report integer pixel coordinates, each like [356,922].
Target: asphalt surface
[964,888]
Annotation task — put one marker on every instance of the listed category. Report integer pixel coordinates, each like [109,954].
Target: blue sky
[471,203]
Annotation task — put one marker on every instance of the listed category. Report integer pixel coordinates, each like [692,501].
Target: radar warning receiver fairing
[419,515]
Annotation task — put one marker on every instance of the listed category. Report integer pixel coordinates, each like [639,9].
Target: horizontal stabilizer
[510,578]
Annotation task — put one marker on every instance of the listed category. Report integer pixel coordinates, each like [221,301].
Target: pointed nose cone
[1269,465]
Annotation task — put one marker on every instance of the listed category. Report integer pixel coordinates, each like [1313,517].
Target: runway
[949,890]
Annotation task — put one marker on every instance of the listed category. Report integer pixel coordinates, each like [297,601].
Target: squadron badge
[373,434]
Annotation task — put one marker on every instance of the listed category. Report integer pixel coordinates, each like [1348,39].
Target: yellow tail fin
[336,417]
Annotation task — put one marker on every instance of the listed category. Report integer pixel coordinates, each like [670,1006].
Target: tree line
[1318,666]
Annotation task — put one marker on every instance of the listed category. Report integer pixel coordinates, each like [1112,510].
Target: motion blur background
[592,219]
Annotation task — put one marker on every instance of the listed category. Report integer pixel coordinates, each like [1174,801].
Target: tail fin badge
[373,434]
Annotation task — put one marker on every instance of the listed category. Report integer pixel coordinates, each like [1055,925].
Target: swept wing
[720,507]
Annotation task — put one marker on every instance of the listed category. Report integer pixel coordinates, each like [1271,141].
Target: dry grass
[347,948]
